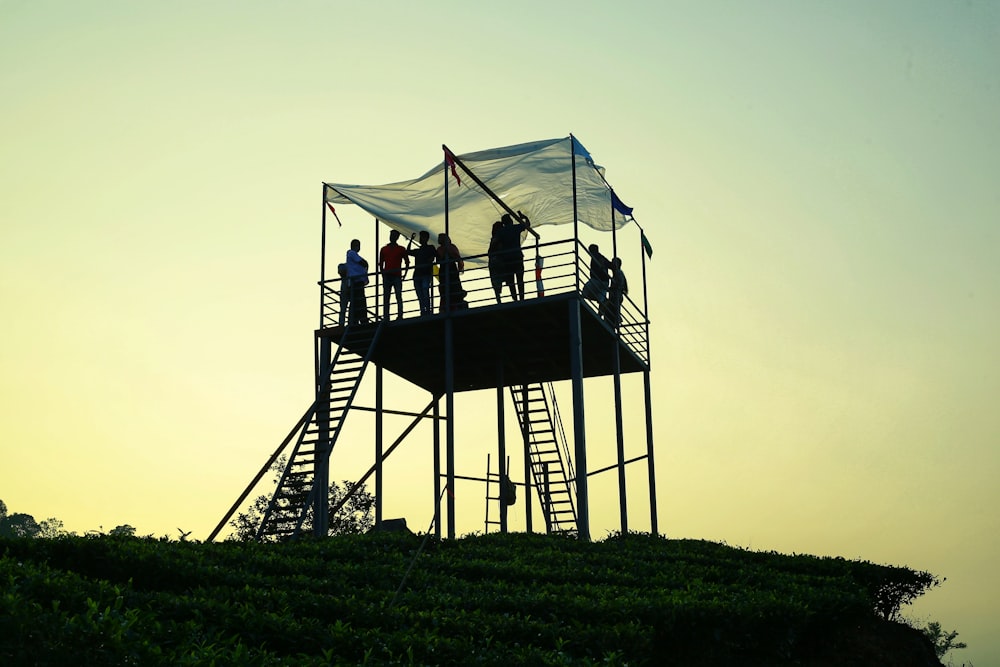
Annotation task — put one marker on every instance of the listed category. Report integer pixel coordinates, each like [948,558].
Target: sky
[818,182]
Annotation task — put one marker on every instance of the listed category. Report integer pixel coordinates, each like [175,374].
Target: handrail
[561,274]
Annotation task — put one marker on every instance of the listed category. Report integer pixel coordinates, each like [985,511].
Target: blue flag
[620,206]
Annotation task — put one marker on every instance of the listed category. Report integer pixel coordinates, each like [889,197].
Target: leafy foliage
[19,524]
[490,600]
[942,640]
[355,516]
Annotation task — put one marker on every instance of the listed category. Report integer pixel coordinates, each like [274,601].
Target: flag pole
[485,188]
[576,226]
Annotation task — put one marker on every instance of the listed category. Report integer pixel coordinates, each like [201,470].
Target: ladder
[498,479]
[550,463]
[294,497]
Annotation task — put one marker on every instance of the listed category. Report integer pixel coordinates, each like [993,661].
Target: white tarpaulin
[536,178]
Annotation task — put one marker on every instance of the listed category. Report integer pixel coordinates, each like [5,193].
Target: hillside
[489,600]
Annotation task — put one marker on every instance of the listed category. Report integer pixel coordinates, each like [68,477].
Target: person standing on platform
[451,264]
[511,254]
[617,293]
[596,287]
[424,257]
[357,278]
[495,264]
[391,258]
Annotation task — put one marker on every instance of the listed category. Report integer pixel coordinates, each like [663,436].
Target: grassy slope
[496,599]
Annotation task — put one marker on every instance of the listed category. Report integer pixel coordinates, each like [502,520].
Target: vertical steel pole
[528,472]
[614,227]
[579,426]
[437,466]
[647,390]
[321,461]
[653,524]
[449,377]
[322,260]
[378,445]
[449,388]
[378,275]
[576,226]
[501,445]
[620,435]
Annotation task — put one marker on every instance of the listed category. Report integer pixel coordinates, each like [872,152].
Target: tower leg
[378,446]
[528,477]
[321,465]
[437,467]
[579,427]
[619,432]
[653,527]
[449,384]
[501,445]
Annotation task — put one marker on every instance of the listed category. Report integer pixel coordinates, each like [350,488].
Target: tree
[20,524]
[942,640]
[123,530]
[52,528]
[355,517]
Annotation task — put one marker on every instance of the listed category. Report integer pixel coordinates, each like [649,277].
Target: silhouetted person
[451,264]
[357,278]
[497,267]
[616,293]
[596,287]
[511,255]
[424,257]
[391,258]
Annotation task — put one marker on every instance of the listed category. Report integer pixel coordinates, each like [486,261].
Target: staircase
[538,414]
[307,471]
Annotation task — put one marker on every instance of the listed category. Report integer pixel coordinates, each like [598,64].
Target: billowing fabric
[536,178]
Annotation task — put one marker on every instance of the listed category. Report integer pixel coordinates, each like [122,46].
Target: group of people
[393,265]
[607,285]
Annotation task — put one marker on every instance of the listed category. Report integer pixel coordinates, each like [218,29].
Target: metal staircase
[305,475]
[551,467]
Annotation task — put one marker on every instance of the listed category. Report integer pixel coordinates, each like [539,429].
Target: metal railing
[554,268]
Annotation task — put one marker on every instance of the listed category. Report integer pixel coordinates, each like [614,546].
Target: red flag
[334,211]
[449,159]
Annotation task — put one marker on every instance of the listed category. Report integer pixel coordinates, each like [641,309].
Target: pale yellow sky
[817,180]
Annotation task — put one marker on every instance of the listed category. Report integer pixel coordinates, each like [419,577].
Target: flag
[646,247]
[620,206]
[578,149]
[449,159]
[334,211]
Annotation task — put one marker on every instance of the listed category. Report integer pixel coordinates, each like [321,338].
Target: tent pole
[576,226]
[322,259]
[485,187]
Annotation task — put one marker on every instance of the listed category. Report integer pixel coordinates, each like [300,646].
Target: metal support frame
[579,427]
[501,444]
[321,466]
[620,438]
[323,359]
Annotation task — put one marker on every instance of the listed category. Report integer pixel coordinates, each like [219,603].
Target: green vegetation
[942,640]
[353,509]
[490,600]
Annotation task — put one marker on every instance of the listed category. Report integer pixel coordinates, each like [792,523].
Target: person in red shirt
[390,262]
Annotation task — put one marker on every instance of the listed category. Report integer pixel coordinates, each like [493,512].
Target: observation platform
[528,341]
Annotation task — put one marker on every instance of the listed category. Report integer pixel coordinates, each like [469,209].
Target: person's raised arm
[527,224]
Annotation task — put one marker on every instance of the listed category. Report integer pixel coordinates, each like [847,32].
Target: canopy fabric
[535,177]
